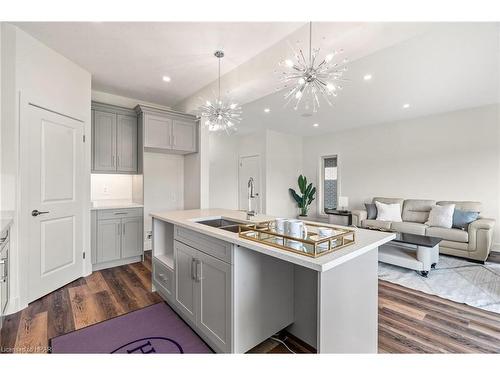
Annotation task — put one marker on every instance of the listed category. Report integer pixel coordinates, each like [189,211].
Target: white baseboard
[496,247]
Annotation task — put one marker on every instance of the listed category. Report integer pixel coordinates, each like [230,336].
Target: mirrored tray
[311,246]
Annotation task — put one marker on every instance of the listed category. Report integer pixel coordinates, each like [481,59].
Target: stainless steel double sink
[225,224]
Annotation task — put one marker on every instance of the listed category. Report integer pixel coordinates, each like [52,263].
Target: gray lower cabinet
[117,237]
[185,282]
[114,139]
[203,294]
[108,240]
[214,300]
[4,273]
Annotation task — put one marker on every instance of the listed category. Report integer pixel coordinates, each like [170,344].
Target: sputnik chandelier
[306,79]
[221,114]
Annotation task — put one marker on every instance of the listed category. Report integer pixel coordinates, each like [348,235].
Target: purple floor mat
[153,329]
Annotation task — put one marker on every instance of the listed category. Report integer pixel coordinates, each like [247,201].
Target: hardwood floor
[409,321]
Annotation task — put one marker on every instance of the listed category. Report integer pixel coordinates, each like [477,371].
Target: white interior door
[249,167]
[54,210]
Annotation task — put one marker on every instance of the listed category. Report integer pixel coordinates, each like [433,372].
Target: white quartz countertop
[366,240]
[109,204]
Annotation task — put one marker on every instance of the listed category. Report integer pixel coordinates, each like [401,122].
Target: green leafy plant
[307,197]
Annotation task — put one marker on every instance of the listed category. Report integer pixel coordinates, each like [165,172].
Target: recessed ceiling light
[406,106]
[367,77]
[316,125]
[166,78]
[267,110]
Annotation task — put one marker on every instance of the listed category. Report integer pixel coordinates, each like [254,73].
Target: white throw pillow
[441,216]
[388,212]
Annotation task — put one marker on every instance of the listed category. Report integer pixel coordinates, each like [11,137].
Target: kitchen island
[235,293]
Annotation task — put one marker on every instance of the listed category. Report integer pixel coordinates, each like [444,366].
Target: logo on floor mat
[150,345]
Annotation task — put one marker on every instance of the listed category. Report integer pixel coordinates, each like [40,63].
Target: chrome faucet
[251,186]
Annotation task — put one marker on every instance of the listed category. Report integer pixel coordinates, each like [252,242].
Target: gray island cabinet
[236,293]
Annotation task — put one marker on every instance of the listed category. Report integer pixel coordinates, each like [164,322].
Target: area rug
[153,329]
[455,279]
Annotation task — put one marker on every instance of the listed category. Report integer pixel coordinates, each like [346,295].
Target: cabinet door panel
[108,240]
[184,136]
[214,311]
[126,143]
[157,131]
[131,237]
[104,141]
[185,291]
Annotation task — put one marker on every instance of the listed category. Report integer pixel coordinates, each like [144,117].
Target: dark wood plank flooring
[409,321]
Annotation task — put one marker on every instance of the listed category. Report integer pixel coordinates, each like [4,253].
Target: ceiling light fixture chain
[222,114]
[307,81]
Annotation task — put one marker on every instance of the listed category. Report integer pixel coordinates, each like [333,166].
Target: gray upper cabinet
[168,131]
[157,131]
[184,136]
[114,139]
[126,143]
[104,141]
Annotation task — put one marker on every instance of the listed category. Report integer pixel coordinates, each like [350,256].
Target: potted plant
[307,197]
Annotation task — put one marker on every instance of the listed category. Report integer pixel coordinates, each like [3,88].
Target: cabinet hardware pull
[120,213]
[123,227]
[118,161]
[198,276]
[193,276]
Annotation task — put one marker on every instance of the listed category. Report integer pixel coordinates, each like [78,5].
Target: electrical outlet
[149,235]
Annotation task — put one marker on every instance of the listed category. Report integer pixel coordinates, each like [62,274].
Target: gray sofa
[475,243]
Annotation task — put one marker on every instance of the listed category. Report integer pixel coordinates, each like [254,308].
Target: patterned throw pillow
[441,216]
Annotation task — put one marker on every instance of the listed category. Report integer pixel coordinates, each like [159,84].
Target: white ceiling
[449,67]
[130,58]
[435,67]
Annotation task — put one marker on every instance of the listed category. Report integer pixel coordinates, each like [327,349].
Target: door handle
[36,212]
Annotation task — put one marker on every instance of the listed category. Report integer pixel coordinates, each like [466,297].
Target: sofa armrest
[481,238]
[482,223]
[358,216]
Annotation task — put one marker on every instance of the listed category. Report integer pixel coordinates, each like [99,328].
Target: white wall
[163,185]
[111,186]
[281,163]
[32,70]
[283,166]
[451,156]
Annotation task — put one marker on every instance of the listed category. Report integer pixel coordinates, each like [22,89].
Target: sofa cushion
[463,205]
[409,227]
[461,246]
[390,201]
[377,224]
[450,234]
[417,210]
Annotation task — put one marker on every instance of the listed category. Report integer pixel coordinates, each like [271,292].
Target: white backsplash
[111,186]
